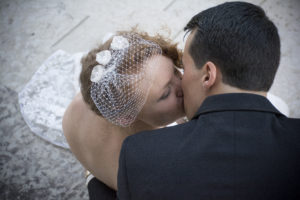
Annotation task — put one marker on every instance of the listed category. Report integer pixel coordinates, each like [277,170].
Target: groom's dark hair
[240,39]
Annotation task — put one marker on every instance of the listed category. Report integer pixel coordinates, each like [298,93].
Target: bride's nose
[179,93]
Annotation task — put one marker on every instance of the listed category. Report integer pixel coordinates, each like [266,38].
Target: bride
[128,84]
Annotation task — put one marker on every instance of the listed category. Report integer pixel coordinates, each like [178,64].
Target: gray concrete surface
[32,30]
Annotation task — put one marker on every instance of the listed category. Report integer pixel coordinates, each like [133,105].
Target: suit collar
[236,102]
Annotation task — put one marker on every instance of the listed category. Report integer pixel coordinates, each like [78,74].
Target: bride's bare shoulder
[77,104]
[78,117]
[75,110]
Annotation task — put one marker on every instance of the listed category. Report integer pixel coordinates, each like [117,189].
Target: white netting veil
[122,78]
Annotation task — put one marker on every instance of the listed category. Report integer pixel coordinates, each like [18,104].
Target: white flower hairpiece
[97,73]
[119,42]
[104,57]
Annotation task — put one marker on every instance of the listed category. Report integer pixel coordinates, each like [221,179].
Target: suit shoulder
[159,137]
[290,124]
[159,133]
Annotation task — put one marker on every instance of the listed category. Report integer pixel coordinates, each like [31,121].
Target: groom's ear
[209,75]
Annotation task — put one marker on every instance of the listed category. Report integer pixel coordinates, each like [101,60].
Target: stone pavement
[30,31]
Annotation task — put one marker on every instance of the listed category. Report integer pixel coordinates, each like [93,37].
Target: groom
[236,144]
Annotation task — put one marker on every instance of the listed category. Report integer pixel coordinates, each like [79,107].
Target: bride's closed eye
[166,93]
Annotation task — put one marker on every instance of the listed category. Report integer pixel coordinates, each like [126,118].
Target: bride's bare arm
[104,164]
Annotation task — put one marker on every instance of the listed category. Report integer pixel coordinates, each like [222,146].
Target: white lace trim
[46,96]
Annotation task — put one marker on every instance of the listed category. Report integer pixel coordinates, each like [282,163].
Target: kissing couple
[230,142]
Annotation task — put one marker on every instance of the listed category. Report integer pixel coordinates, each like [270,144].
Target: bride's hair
[88,62]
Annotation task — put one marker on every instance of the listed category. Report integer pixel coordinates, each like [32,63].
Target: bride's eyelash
[166,95]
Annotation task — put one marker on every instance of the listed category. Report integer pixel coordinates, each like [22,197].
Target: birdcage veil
[121,79]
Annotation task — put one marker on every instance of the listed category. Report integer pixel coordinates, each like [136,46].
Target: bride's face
[164,104]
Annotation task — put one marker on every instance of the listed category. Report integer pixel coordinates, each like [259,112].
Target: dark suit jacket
[237,146]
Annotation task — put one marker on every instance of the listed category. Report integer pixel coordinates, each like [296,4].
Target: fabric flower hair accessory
[104,57]
[119,42]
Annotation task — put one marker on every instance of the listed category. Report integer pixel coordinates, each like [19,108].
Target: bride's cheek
[173,104]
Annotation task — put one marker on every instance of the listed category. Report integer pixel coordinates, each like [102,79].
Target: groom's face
[192,87]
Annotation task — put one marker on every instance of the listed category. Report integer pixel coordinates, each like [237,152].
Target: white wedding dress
[46,96]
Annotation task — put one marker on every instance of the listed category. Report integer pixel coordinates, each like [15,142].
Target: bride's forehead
[159,64]
[161,74]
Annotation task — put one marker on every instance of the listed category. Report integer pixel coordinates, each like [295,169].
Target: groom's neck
[225,88]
